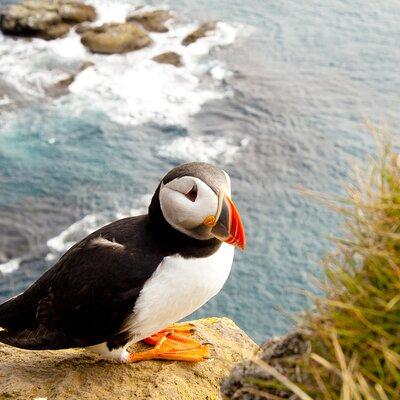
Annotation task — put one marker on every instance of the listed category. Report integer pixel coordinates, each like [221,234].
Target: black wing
[85,298]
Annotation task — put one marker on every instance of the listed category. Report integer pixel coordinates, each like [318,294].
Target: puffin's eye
[192,194]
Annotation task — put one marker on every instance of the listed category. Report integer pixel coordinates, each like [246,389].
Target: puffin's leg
[174,346]
[186,329]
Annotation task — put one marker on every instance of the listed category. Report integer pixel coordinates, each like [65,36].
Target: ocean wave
[130,88]
[202,148]
[10,266]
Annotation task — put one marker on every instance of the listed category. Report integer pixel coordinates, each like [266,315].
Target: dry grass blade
[354,329]
[282,379]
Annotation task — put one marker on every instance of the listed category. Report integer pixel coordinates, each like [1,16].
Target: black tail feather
[37,339]
[20,339]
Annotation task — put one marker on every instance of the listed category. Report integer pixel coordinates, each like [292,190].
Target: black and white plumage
[133,277]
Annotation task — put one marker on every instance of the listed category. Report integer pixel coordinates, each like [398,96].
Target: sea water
[278,96]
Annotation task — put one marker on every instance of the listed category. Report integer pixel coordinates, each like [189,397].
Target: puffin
[136,278]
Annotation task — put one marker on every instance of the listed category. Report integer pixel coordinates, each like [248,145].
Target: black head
[193,199]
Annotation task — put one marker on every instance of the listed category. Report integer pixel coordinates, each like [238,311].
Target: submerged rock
[86,65]
[153,21]
[78,374]
[114,38]
[200,32]
[170,57]
[242,381]
[61,88]
[44,18]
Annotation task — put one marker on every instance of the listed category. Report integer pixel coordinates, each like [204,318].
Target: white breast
[178,287]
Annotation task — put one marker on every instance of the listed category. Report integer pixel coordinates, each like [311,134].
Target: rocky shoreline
[53,19]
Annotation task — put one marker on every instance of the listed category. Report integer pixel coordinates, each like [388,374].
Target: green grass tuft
[354,329]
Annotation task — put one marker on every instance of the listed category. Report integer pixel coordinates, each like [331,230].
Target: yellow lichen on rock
[79,374]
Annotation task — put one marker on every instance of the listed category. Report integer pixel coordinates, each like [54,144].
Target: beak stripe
[236,229]
[228,226]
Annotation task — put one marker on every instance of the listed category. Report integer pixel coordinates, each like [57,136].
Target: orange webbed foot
[173,343]
[185,329]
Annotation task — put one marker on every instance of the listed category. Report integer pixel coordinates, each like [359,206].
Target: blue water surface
[306,76]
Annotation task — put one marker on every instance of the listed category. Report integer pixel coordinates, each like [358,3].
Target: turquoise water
[299,82]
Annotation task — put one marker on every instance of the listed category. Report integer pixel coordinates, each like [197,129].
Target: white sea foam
[112,11]
[5,100]
[202,148]
[10,266]
[68,237]
[130,88]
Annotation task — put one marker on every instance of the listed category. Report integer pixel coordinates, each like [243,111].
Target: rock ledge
[79,374]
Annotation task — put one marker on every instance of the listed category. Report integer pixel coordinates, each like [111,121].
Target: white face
[185,203]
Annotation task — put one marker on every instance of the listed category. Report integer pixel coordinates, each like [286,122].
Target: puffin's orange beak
[227,225]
